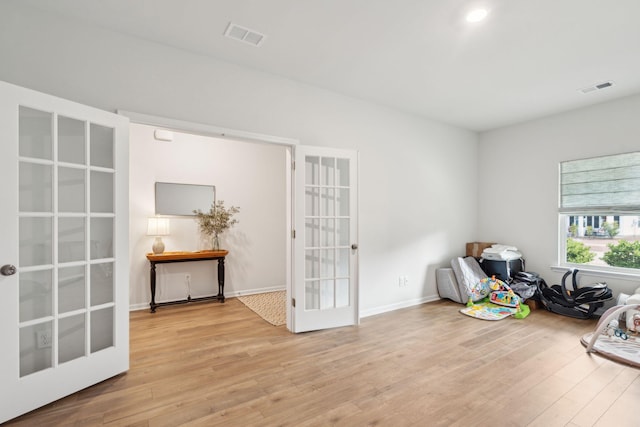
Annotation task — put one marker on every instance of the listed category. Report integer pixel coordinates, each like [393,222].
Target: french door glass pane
[342,262]
[342,202]
[342,293]
[101,146]
[36,191]
[35,241]
[35,133]
[71,140]
[71,239]
[101,283]
[327,202]
[326,294]
[71,288]
[101,329]
[101,192]
[342,175]
[71,189]
[312,201]
[327,232]
[312,232]
[101,238]
[312,263]
[327,263]
[312,170]
[71,337]
[342,232]
[36,294]
[312,295]
[66,228]
[327,171]
[35,348]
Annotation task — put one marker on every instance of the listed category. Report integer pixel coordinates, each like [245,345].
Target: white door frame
[219,132]
[289,143]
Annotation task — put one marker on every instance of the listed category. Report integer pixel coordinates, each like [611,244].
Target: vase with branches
[216,221]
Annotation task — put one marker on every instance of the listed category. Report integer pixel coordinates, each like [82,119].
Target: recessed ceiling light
[477,15]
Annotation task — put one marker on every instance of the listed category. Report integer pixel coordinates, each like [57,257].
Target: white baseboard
[257,291]
[363,313]
[398,306]
[145,305]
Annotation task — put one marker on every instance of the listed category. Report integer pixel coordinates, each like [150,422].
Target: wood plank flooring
[221,365]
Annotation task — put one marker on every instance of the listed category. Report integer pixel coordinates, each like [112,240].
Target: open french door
[64,287]
[325,285]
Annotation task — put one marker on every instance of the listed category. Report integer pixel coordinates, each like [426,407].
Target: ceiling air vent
[245,35]
[595,87]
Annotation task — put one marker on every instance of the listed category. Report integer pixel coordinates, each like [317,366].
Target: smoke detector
[598,86]
[245,35]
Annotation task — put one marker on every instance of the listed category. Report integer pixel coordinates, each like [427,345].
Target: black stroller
[580,303]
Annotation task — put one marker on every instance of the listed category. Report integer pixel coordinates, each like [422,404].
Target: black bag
[529,284]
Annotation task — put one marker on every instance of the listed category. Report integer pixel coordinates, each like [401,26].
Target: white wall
[248,175]
[418,199]
[519,177]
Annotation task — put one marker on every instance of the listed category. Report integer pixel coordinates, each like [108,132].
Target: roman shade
[601,185]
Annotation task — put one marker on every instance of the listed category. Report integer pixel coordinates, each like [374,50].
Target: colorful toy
[633,315]
[479,290]
[613,329]
[500,295]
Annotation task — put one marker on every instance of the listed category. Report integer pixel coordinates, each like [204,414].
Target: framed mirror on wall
[174,199]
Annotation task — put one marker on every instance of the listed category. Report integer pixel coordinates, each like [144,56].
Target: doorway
[249,173]
[326,267]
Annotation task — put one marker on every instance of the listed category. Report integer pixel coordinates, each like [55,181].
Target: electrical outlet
[403,281]
[43,338]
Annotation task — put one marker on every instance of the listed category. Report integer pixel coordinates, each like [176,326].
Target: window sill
[595,272]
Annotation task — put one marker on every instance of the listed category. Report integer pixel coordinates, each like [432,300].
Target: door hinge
[293,234]
[293,165]
[293,302]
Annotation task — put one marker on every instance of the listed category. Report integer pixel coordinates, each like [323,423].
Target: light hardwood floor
[220,364]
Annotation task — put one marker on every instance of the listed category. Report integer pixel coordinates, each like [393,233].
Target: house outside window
[599,214]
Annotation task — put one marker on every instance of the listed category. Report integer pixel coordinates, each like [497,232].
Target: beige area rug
[271,306]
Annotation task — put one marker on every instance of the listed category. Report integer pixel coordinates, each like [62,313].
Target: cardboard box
[534,304]
[475,249]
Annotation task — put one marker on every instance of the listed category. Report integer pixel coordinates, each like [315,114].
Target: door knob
[354,246]
[8,270]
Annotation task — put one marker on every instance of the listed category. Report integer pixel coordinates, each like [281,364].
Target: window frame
[624,163]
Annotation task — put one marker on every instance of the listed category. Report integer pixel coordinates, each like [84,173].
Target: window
[600,212]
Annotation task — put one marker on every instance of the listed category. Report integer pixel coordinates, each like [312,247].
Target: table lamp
[158,227]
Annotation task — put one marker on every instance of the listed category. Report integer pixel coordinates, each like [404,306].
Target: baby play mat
[488,311]
[624,351]
[609,341]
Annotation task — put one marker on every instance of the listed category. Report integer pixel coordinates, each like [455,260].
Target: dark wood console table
[168,257]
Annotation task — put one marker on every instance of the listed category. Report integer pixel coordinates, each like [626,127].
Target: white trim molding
[204,129]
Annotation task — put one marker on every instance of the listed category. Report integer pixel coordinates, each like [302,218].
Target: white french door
[325,288]
[64,291]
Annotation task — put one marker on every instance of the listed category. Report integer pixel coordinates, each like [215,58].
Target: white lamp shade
[158,227]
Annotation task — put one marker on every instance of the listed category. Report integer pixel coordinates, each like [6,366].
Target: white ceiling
[528,59]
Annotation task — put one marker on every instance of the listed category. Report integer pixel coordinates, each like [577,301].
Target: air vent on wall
[245,35]
[595,87]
